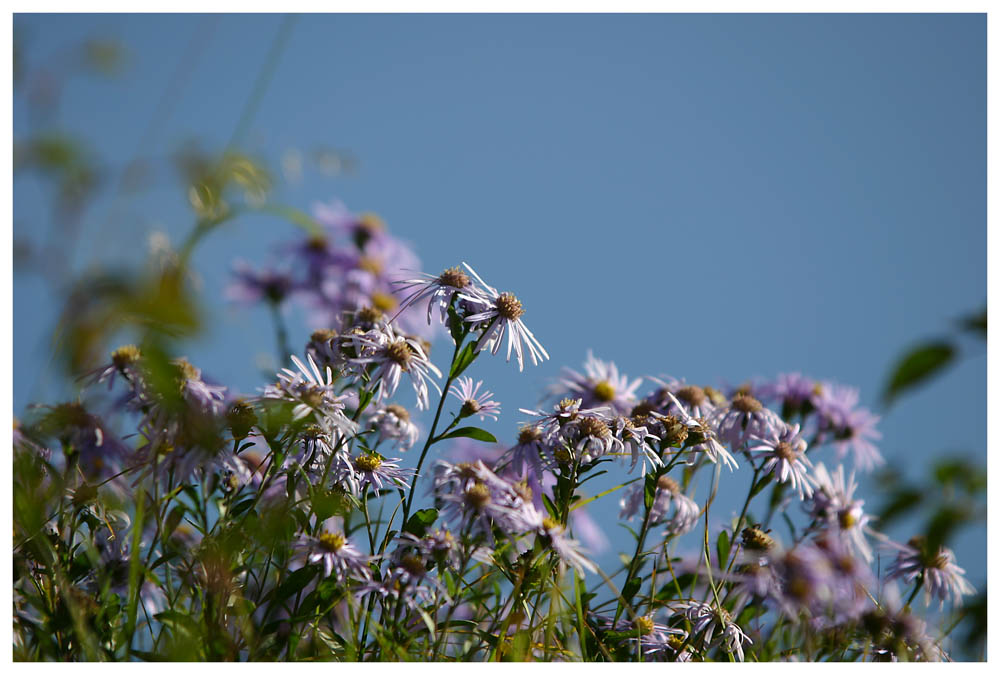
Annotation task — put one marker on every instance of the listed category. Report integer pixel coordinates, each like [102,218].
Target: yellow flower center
[367,463]
[332,542]
[603,391]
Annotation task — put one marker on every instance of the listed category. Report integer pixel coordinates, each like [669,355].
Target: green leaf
[294,582]
[471,432]
[975,323]
[650,491]
[631,588]
[722,548]
[419,522]
[463,360]
[762,483]
[903,501]
[917,366]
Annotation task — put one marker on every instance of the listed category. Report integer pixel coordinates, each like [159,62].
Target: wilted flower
[701,436]
[707,619]
[668,494]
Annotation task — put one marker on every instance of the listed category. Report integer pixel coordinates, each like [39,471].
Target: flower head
[391,355]
[474,403]
[599,385]
[503,316]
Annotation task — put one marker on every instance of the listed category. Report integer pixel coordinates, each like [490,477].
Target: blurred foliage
[930,359]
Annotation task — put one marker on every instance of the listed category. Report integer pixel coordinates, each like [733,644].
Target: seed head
[692,395]
[746,404]
[529,434]
[591,426]
[477,496]
[668,484]
[399,352]
[509,307]
[399,411]
[454,277]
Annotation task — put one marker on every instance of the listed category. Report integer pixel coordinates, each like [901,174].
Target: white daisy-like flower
[564,412]
[393,423]
[437,290]
[313,393]
[785,458]
[636,438]
[370,469]
[392,355]
[701,436]
[697,401]
[744,418]
[942,578]
[600,385]
[833,504]
[474,403]
[503,316]
[528,453]
[336,554]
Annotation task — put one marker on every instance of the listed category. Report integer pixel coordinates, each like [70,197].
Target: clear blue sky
[705,196]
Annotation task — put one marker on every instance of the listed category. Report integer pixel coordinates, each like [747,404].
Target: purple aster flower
[124,361]
[553,535]
[474,403]
[528,453]
[439,291]
[636,438]
[942,578]
[97,451]
[392,355]
[312,393]
[834,507]
[784,456]
[851,428]
[702,437]
[336,554]
[503,316]
[393,423]
[694,400]
[477,498]
[600,385]
[745,417]
[564,412]
[668,494]
[250,286]
[792,390]
[371,469]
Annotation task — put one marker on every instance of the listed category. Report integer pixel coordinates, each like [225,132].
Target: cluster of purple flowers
[313,446]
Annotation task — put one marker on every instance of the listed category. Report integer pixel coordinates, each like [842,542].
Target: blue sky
[706,196]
